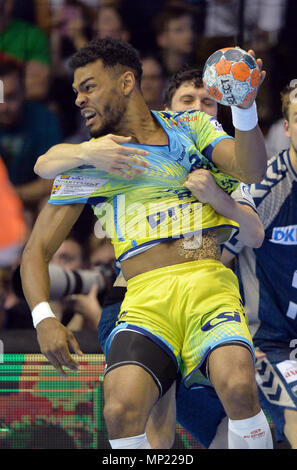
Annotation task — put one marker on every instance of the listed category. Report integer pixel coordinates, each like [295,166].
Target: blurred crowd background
[37,111]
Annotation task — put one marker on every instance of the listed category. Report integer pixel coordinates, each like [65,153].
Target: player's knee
[122,414]
[241,394]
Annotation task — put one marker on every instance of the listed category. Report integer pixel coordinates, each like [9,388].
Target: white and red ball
[231,76]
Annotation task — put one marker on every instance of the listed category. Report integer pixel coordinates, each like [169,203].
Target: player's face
[99,98]
[187,97]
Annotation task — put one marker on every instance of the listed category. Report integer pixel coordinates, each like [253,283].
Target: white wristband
[40,312]
[244,119]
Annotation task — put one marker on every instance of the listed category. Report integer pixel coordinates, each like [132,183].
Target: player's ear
[127,82]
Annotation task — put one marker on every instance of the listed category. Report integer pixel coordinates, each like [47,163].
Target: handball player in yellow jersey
[182,311]
[199,410]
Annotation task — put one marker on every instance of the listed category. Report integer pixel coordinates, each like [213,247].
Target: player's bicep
[52,227]
[223,156]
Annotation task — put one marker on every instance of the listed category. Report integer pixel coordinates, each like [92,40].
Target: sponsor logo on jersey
[55,188]
[284,235]
[184,119]
[218,127]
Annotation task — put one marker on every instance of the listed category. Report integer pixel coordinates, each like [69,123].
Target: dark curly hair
[114,53]
[185,74]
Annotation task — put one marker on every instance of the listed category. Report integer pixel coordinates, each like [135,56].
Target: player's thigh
[151,370]
[161,425]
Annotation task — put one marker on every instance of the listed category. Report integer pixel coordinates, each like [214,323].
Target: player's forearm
[250,155]
[59,158]
[251,231]
[35,276]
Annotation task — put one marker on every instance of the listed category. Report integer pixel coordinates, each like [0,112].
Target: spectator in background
[27,129]
[73,25]
[69,255]
[110,22]
[140,17]
[175,37]
[70,30]
[28,44]
[262,24]
[153,82]
[101,252]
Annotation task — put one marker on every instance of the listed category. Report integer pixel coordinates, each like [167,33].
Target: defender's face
[188,96]
[99,98]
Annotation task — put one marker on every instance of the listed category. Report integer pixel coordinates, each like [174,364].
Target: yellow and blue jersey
[154,206]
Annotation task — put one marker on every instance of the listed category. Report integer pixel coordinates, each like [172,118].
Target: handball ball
[231,76]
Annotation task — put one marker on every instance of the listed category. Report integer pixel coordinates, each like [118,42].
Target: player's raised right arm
[51,228]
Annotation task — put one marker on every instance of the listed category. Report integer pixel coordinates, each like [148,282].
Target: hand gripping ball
[231,76]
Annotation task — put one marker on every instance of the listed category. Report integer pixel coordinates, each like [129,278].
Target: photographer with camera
[79,282]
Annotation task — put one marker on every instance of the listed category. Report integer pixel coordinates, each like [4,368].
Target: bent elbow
[258,242]
[41,169]
[254,176]
[258,238]
[259,176]
[38,167]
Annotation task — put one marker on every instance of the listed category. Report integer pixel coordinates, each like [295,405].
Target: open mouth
[89,116]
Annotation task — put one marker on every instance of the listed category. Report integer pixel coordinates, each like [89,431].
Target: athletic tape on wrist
[41,312]
[244,119]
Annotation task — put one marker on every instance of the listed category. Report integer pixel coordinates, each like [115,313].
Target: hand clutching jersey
[154,206]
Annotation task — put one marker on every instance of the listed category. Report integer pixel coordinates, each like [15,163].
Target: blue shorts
[277,383]
[107,322]
[199,411]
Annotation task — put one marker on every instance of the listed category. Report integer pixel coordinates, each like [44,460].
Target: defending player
[269,281]
[159,334]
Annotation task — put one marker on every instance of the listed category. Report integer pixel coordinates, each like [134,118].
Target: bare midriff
[173,252]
